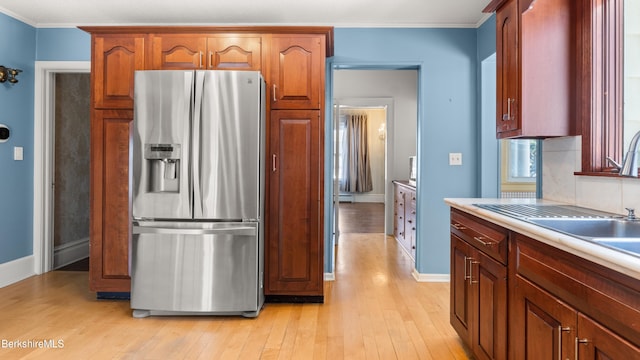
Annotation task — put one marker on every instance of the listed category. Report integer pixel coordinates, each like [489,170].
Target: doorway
[394,91]
[52,126]
[351,197]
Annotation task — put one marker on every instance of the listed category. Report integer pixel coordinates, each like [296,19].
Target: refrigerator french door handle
[239,230]
[196,137]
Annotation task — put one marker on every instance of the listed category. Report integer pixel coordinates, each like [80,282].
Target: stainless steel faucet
[630,164]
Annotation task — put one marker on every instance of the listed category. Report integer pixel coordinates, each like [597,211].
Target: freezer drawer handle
[240,230]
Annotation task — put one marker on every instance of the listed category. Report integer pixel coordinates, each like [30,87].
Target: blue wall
[27,45]
[448,63]
[16,177]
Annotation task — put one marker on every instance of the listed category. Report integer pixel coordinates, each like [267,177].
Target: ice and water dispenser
[164,166]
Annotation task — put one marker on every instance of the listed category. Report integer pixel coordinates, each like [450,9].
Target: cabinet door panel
[543,326]
[490,323]
[178,52]
[110,204]
[508,69]
[115,59]
[599,343]
[295,251]
[234,52]
[460,291]
[297,71]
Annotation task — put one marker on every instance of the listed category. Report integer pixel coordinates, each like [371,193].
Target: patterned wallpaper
[71,208]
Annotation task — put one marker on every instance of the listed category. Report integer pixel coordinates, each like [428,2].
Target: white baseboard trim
[329,277]
[70,252]
[16,270]
[362,198]
[430,277]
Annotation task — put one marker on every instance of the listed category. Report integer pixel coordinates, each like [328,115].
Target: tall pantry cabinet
[292,61]
[294,246]
[115,57]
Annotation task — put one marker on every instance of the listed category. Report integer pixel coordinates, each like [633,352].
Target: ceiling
[338,13]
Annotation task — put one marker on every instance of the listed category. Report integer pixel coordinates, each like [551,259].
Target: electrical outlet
[455,158]
[17,153]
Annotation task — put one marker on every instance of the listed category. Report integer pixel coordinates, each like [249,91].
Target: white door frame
[43,155]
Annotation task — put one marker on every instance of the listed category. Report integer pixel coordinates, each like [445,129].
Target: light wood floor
[374,310]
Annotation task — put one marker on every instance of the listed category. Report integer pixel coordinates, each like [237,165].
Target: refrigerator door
[161,145]
[228,133]
[199,268]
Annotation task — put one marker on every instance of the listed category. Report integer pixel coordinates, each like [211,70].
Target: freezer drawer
[196,269]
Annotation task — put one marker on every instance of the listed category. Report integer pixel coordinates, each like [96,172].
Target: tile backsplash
[561,157]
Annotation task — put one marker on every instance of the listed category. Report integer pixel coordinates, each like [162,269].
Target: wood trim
[493,6]
[600,119]
[327,31]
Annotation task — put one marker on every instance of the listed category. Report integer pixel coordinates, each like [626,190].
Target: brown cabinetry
[563,304]
[297,71]
[294,247]
[201,51]
[478,309]
[558,305]
[404,219]
[294,256]
[535,72]
[295,241]
[115,59]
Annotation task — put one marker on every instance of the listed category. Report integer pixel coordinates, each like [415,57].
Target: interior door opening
[61,117]
[396,91]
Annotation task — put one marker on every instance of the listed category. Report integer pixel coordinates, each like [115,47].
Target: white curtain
[356,160]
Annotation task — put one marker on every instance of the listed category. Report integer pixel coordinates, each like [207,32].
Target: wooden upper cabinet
[178,52]
[536,67]
[115,58]
[297,71]
[213,52]
[507,69]
[234,52]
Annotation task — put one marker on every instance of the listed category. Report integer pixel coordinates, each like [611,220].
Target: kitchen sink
[618,234]
[606,229]
[627,244]
[592,228]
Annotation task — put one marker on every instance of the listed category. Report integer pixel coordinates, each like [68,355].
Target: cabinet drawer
[483,235]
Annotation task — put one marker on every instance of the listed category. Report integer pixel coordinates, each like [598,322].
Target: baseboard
[361,198]
[430,277]
[16,270]
[329,277]
[70,252]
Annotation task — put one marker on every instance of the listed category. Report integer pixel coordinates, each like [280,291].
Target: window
[519,159]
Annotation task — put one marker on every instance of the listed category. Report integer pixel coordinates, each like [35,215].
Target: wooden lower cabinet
[110,228]
[544,327]
[539,302]
[294,242]
[478,300]
[566,305]
[596,342]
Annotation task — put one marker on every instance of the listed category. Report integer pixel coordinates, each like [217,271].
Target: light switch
[17,153]
[455,158]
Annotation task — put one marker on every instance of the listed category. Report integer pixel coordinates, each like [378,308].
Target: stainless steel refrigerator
[198,193]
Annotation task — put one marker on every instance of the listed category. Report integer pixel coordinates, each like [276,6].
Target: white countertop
[613,259]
